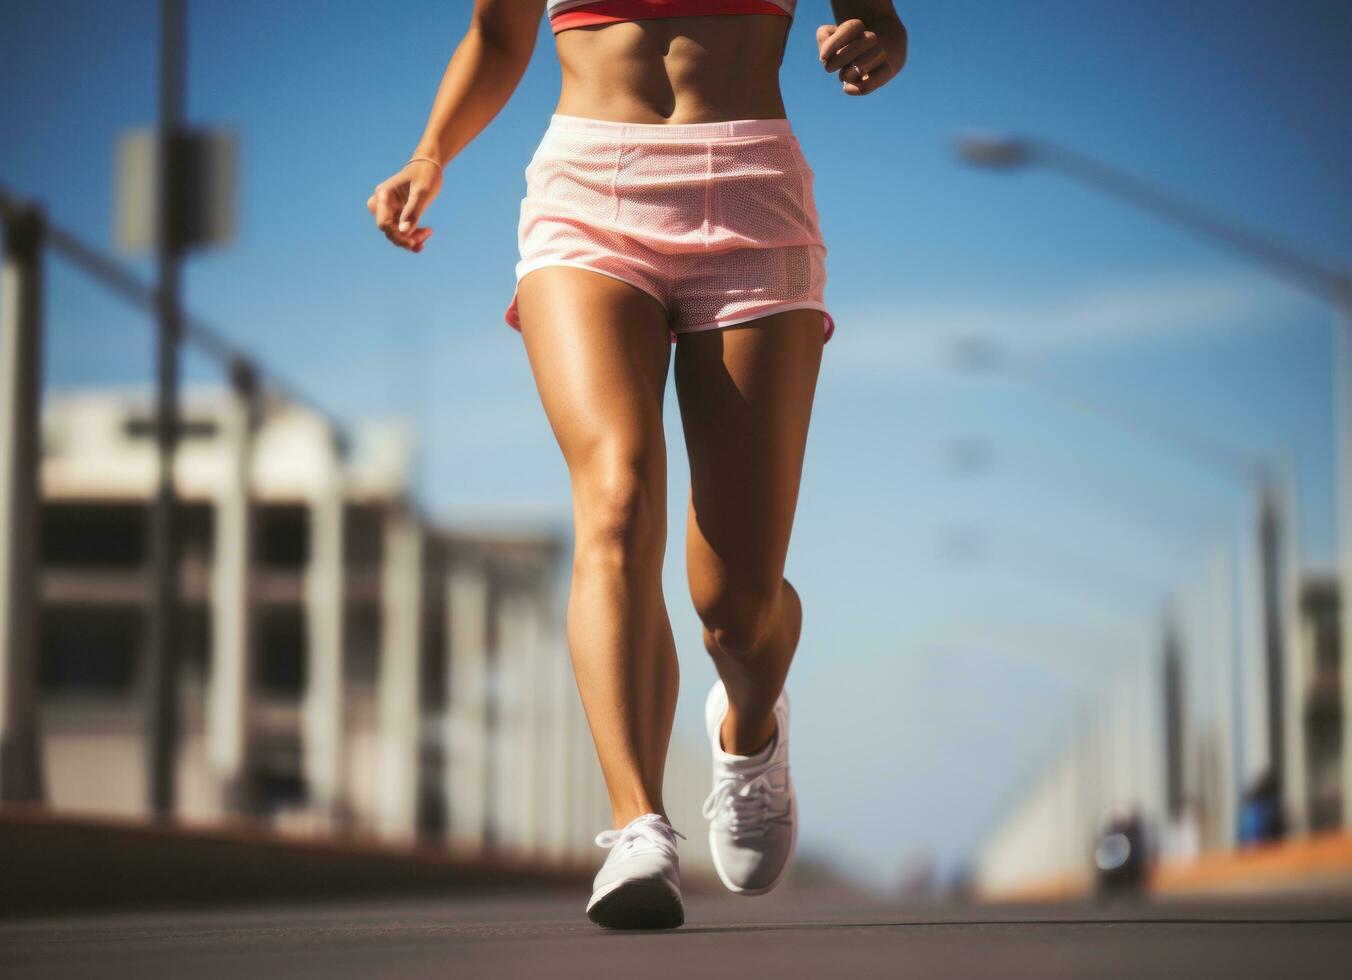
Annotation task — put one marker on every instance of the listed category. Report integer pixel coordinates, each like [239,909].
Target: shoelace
[641,833]
[742,805]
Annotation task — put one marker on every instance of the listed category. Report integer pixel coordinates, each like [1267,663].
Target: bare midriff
[674,69]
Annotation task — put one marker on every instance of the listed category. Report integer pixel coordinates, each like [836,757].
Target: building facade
[347,666]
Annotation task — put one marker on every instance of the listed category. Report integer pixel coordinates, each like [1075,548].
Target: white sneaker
[752,812]
[639,886]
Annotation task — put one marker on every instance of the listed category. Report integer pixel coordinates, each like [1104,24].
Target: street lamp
[1004,152]
[977,353]
[990,150]
[1331,284]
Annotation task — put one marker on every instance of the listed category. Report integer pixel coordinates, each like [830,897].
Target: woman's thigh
[746,397]
[599,351]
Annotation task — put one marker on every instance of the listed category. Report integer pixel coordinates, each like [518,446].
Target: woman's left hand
[863,57]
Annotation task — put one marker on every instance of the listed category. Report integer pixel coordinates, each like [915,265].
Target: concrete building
[348,666]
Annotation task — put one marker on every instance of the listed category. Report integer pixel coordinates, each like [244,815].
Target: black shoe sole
[639,905]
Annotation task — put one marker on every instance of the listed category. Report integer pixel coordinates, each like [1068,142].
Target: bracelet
[429,160]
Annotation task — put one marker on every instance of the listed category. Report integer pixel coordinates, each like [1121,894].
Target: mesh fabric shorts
[716,221]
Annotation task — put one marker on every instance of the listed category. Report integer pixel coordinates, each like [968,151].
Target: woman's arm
[482,74]
[867,47]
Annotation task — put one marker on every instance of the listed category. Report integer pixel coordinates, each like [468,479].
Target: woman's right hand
[398,203]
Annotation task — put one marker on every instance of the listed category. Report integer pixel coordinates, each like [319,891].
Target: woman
[668,202]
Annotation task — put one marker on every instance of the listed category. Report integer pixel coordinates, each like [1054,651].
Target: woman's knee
[619,509]
[738,616]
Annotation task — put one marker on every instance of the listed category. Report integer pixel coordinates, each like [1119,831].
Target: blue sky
[926,687]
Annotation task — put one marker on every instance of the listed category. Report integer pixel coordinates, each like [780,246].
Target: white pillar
[582,765]
[467,598]
[1148,731]
[600,798]
[400,673]
[557,734]
[322,709]
[20,400]
[1072,859]
[1084,826]
[232,614]
[518,756]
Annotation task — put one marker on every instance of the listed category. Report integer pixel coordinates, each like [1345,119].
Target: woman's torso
[674,69]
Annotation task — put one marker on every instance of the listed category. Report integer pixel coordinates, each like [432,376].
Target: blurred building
[348,665]
[1321,701]
[1170,742]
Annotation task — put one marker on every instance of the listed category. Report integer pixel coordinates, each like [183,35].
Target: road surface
[784,935]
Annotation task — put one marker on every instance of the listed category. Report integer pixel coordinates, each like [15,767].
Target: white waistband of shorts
[670,131]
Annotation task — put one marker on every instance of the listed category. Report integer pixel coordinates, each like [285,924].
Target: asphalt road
[797,934]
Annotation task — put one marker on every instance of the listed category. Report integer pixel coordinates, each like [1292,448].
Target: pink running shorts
[716,221]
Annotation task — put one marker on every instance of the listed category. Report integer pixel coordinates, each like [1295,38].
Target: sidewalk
[51,863]
[1305,865]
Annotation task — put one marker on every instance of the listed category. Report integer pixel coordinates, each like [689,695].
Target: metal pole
[1174,721]
[1305,270]
[1342,389]
[163,647]
[20,403]
[1274,632]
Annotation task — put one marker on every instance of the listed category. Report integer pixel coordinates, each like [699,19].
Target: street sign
[203,195]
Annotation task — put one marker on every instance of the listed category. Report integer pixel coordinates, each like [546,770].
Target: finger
[396,237]
[843,35]
[371,204]
[823,32]
[402,241]
[872,81]
[867,63]
[413,208]
[409,240]
[386,204]
[423,234]
[856,49]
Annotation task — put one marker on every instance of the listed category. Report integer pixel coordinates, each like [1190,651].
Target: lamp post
[21,277]
[1235,465]
[162,675]
[1329,283]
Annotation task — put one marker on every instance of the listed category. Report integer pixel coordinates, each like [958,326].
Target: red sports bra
[564,14]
